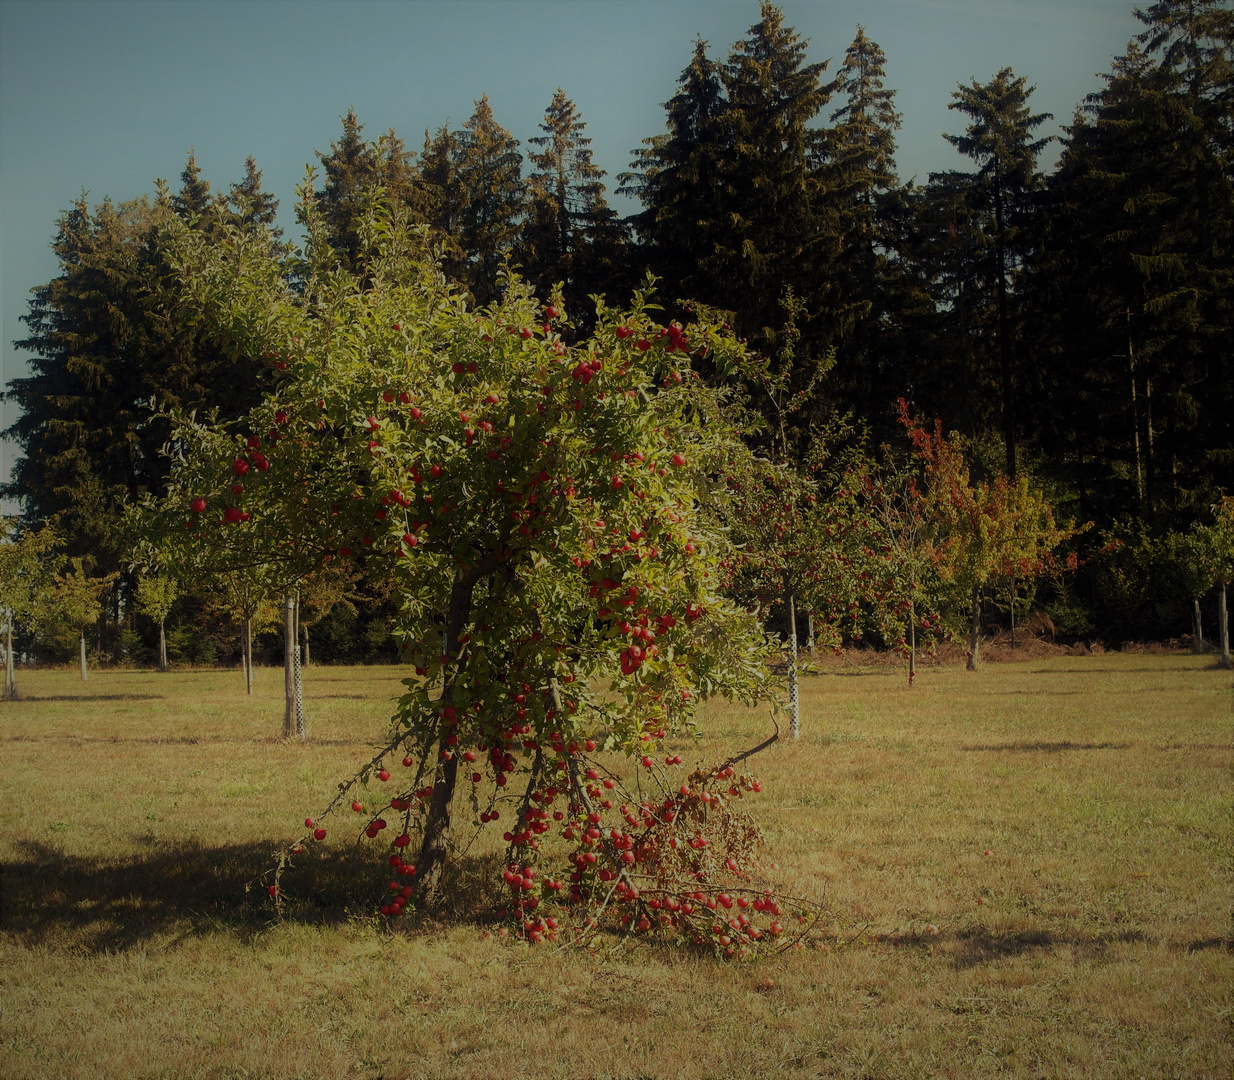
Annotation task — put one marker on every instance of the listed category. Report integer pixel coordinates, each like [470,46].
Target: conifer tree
[861,183]
[1138,278]
[111,347]
[679,176]
[353,167]
[571,235]
[488,167]
[439,196]
[247,199]
[193,200]
[999,140]
[774,242]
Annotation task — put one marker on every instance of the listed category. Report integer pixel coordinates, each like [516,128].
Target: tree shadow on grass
[982,946]
[1047,747]
[1096,671]
[106,905]
[91,697]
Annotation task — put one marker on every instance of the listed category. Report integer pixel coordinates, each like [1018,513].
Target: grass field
[1064,825]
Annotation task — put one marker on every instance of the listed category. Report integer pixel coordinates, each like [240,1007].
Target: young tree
[156,594]
[320,593]
[537,510]
[29,559]
[249,595]
[999,139]
[894,499]
[982,531]
[77,603]
[1216,550]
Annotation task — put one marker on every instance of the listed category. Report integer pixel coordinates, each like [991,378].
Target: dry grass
[1092,940]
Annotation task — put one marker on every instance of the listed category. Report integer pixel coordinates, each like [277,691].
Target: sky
[106,96]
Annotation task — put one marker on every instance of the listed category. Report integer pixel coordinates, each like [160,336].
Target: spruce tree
[774,242]
[193,200]
[1138,276]
[439,196]
[248,201]
[109,348]
[999,139]
[488,168]
[864,192]
[679,176]
[354,167]
[570,235]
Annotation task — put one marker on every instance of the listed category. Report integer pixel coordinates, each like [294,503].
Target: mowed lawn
[1027,872]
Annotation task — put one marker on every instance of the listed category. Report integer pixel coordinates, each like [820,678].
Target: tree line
[1072,327]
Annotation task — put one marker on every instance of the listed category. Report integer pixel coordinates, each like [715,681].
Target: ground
[1027,872]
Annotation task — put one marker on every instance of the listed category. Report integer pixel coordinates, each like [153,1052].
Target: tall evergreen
[1139,275]
[679,176]
[439,196]
[194,198]
[109,346]
[999,139]
[352,168]
[737,213]
[773,242]
[571,235]
[248,201]
[868,205]
[488,167]
[947,257]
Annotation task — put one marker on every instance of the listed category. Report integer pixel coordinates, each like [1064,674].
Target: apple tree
[537,510]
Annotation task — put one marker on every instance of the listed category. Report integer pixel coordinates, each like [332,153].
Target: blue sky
[107,95]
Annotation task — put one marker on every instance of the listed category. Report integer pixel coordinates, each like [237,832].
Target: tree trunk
[162,645]
[247,648]
[307,657]
[1004,333]
[1135,417]
[974,634]
[1223,628]
[912,646]
[435,846]
[1150,465]
[1197,627]
[794,699]
[85,674]
[10,669]
[1012,608]
[293,713]
[810,633]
